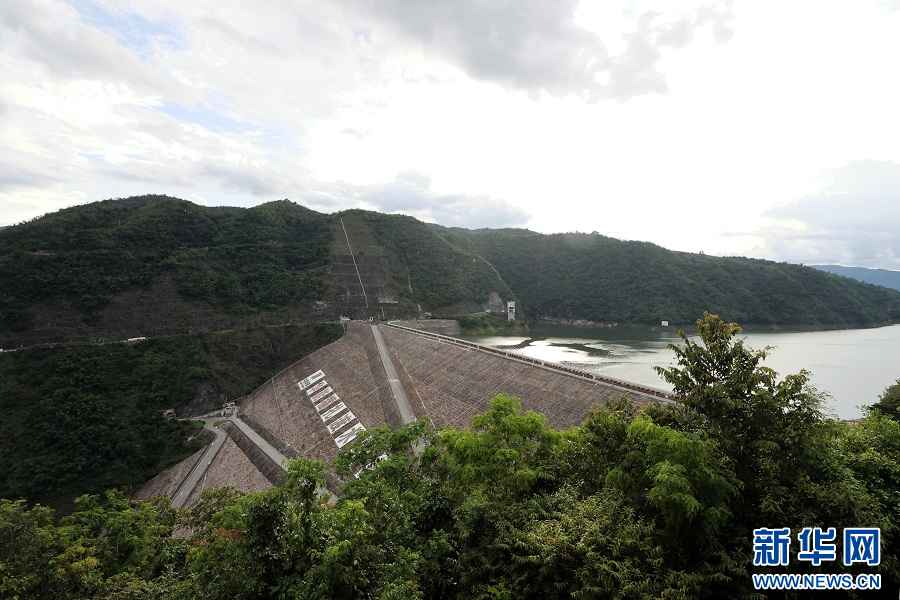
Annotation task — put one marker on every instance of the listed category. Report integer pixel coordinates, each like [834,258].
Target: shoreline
[690,327]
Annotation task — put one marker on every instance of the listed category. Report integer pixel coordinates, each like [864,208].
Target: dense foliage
[153,264]
[238,260]
[659,502]
[82,418]
[89,254]
[590,276]
[265,257]
[889,401]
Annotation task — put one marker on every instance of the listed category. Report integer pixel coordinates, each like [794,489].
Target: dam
[377,374]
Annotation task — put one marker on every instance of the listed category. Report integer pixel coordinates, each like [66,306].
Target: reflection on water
[852,366]
[629,354]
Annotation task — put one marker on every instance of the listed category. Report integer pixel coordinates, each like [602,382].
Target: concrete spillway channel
[400,399]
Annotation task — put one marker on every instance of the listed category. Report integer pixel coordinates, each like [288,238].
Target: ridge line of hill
[143,266]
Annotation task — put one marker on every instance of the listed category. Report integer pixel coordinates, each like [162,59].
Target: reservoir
[852,367]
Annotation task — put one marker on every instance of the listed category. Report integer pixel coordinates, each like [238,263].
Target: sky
[755,128]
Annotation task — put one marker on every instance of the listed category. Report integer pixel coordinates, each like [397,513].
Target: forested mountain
[884,277]
[590,276]
[155,265]
[63,272]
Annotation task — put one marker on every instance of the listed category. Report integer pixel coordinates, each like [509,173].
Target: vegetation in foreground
[655,502]
[889,402]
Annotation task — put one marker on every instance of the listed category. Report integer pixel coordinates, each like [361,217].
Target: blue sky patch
[95,159]
[205,117]
[131,30]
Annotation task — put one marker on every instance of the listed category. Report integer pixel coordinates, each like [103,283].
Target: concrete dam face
[379,374]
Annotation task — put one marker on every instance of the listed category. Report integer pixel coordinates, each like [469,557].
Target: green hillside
[428,269]
[83,418]
[155,265]
[593,277]
[79,274]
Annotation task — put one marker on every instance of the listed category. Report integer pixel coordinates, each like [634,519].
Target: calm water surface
[852,366]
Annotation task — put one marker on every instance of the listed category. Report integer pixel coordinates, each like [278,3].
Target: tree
[505,450]
[262,544]
[27,538]
[794,466]
[679,487]
[773,431]
[871,450]
[889,401]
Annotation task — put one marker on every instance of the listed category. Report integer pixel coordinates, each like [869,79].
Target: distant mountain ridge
[593,277]
[883,277]
[154,265]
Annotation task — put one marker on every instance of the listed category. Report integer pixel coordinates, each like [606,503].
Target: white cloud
[678,122]
[410,193]
[535,45]
[49,35]
[854,220]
